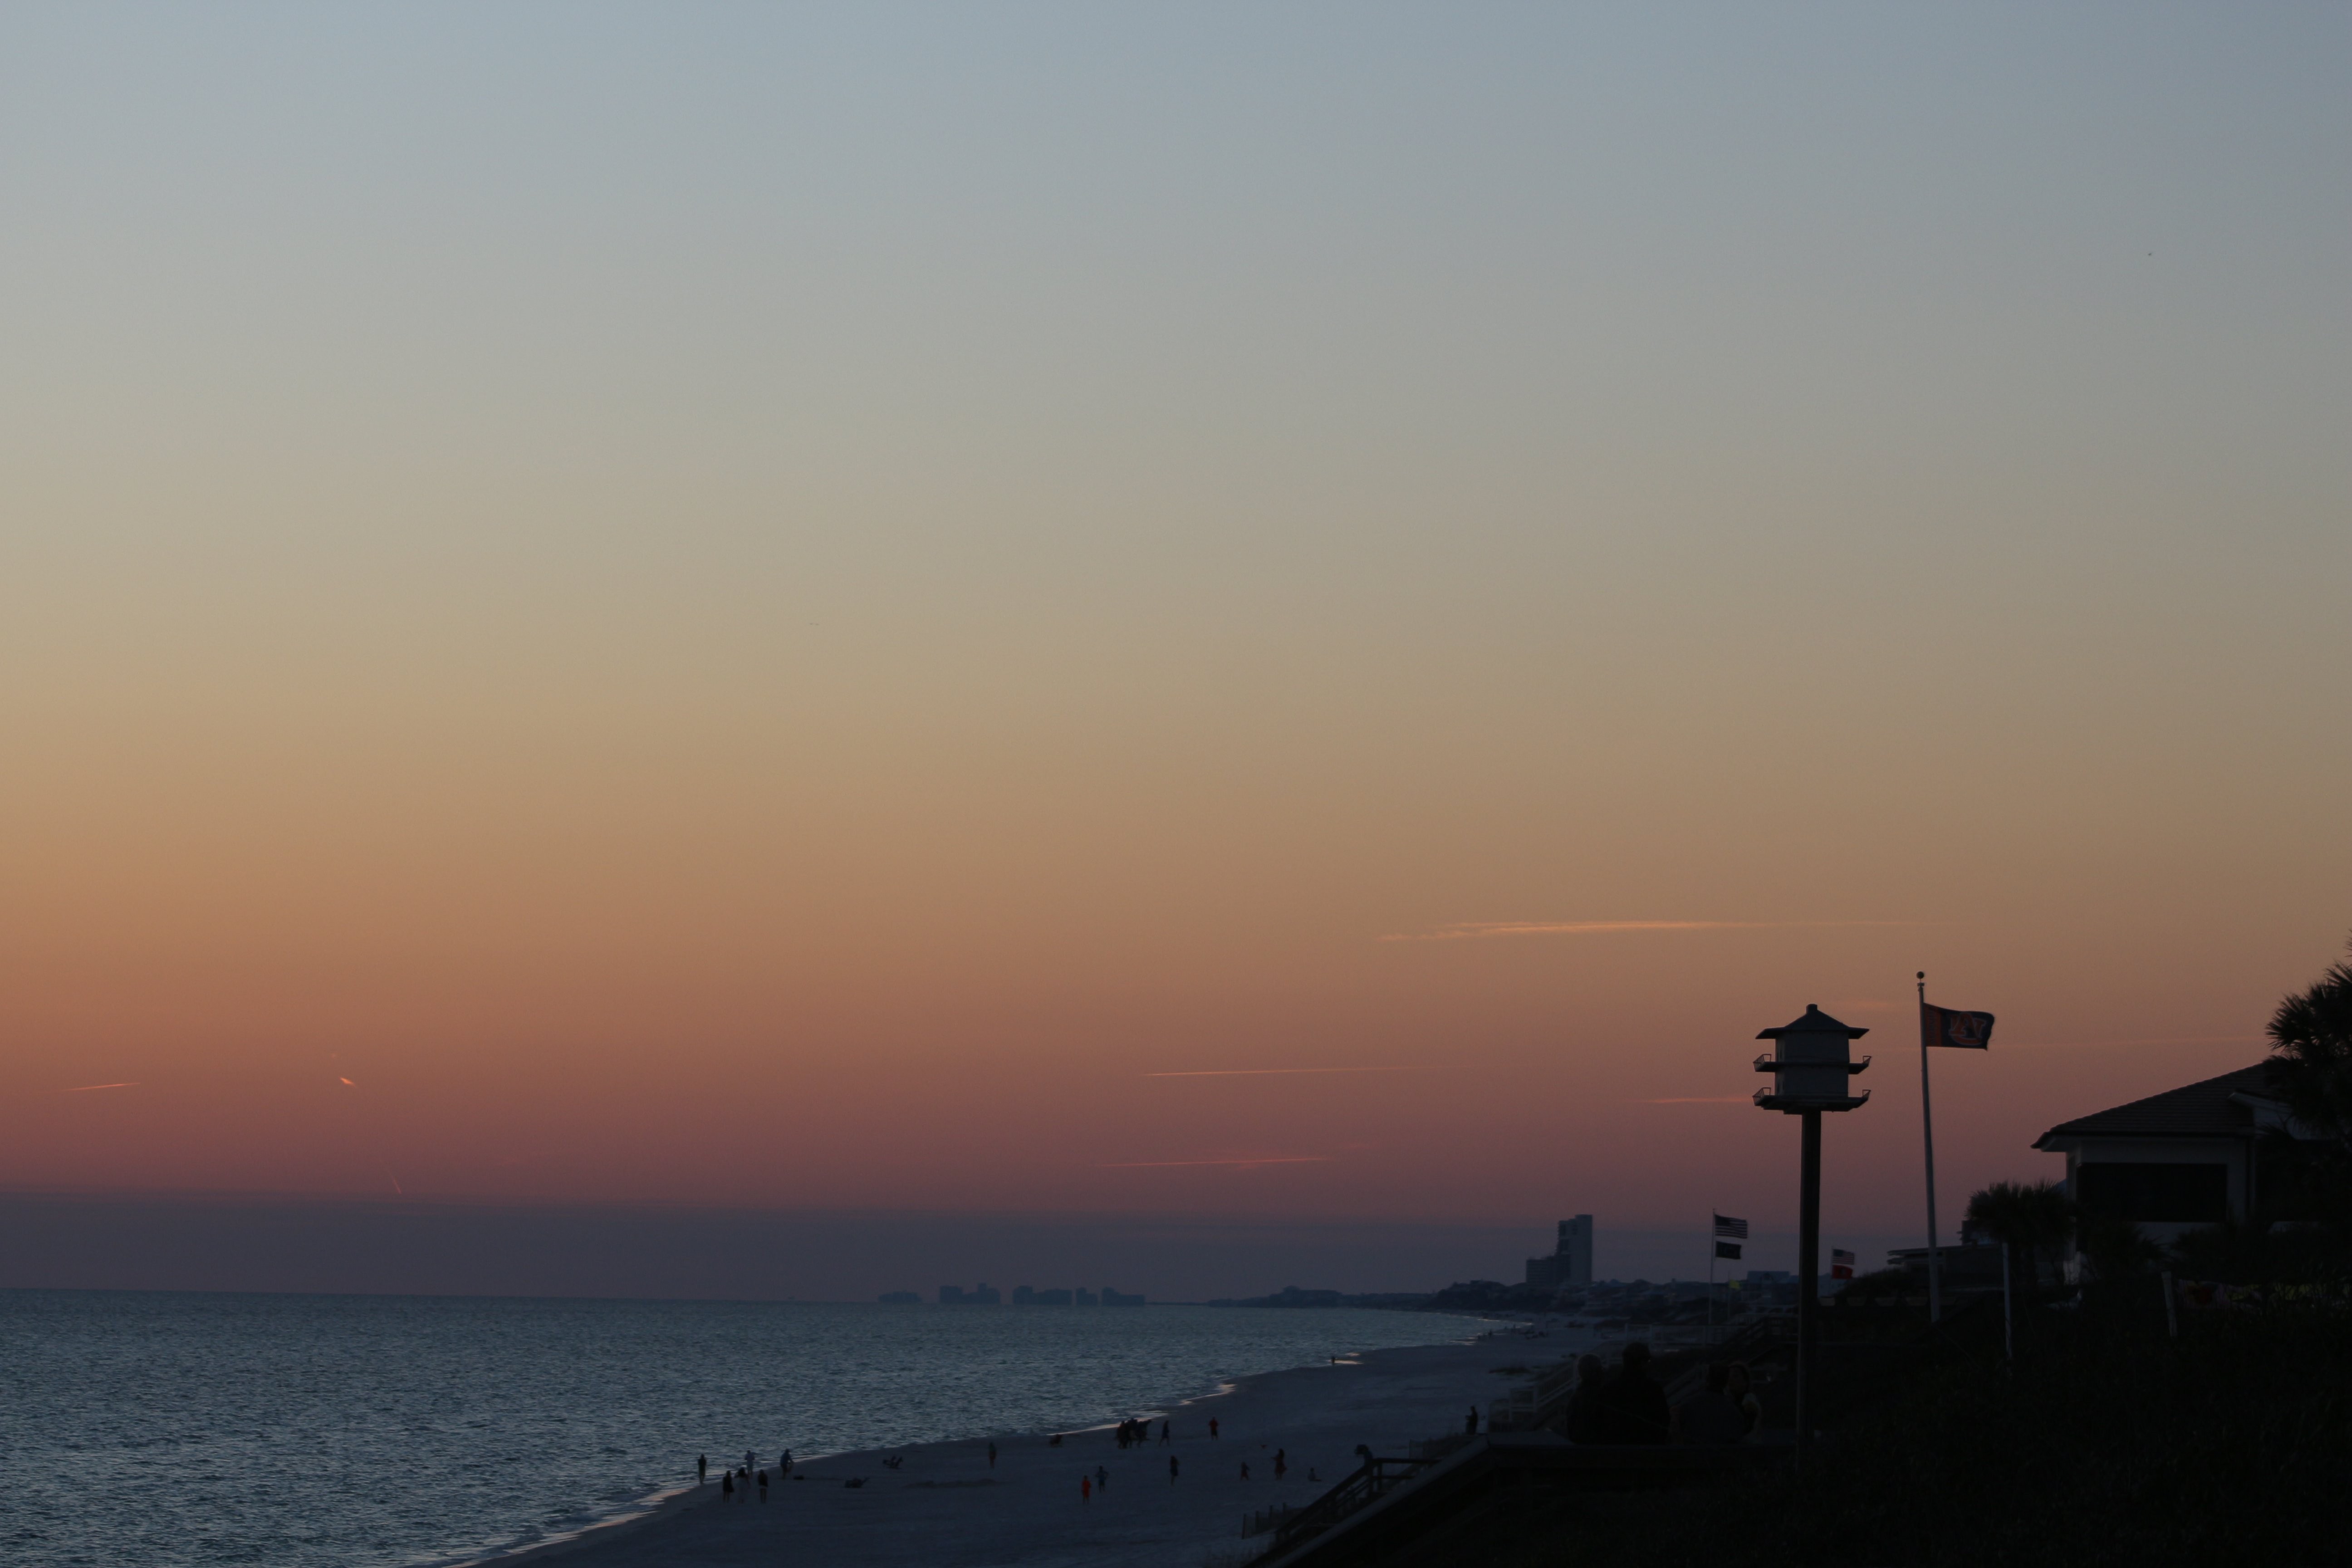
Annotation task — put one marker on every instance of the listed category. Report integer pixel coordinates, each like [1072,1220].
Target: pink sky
[748,612]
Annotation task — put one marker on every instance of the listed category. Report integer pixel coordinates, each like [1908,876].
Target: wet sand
[945,1508]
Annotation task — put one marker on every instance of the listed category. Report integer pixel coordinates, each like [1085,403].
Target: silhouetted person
[1245,1469]
[1708,1418]
[1281,1463]
[1636,1405]
[1741,1391]
[1311,1475]
[1470,1422]
[727,1486]
[701,1469]
[1171,1470]
[1163,1431]
[764,1485]
[1212,1426]
[1086,1488]
[992,1456]
[1587,1415]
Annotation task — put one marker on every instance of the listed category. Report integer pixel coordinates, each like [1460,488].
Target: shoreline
[946,1505]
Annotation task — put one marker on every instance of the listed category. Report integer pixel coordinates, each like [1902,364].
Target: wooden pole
[1927,1128]
[1808,1267]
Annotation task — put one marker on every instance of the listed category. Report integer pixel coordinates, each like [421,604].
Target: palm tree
[2311,1056]
[2028,1216]
[2311,1067]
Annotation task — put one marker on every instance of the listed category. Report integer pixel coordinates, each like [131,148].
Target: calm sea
[351,1431]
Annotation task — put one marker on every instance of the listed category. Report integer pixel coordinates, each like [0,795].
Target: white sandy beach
[945,1508]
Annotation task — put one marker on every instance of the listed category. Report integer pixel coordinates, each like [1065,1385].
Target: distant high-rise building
[1575,1252]
[1570,1266]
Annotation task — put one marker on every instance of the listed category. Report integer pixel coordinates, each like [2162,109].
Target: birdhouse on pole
[1811,1063]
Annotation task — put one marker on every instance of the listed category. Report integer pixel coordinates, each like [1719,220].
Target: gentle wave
[179,1430]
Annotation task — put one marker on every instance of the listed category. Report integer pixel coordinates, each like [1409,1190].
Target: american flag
[1841,1264]
[1736,1229]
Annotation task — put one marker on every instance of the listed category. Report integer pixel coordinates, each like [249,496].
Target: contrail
[1466,930]
[1272,1072]
[1695,1100]
[2166,1040]
[1164,1164]
[86,1088]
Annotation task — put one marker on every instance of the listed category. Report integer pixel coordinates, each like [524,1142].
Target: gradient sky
[780,606]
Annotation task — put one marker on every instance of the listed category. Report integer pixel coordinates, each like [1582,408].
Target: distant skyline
[1300,614]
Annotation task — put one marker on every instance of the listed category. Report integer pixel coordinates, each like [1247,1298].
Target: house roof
[2213,1109]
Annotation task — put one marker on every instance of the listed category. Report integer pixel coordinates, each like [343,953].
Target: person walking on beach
[701,1469]
[764,1485]
[1212,1428]
[785,1465]
[1085,1489]
[992,1456]
[1171,1470]
[1470,1425]
[726,1486]
[1281,1463]
[1245,1469]
[1102,1480]
[1163,1431]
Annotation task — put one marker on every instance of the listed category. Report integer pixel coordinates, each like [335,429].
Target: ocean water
[161,1429]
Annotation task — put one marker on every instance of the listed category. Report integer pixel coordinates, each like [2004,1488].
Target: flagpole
[1927,1128]
[1710,1276]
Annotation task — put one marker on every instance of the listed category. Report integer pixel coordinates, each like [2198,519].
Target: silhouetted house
[2174,1161]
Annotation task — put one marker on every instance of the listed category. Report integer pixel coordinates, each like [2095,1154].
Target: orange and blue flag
[1950,1026]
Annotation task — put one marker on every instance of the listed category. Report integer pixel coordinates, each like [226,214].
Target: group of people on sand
[736,1484]
[1629,1407]
[1135,1434]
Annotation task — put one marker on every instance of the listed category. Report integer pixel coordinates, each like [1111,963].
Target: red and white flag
[1949,1027]
[1841,1263]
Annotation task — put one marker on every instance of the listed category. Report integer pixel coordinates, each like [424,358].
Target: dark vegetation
[2108,1443]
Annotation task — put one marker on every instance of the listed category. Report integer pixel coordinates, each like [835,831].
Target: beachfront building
[2188,1157]
[957,1296]
[1570,1266]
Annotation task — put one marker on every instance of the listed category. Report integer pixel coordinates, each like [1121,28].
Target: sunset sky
[1309,612]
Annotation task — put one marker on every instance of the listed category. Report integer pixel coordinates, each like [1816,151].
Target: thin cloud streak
[1469,931]
[86,1088]
[1167,1164]
[1276,1072]
[1696,1099]
[2167,1040]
